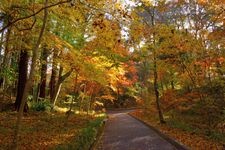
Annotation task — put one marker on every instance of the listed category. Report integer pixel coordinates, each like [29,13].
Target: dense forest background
[82,56]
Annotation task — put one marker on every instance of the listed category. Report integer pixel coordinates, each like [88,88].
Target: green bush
[88,134]
[217,136]
[68,98]
[181,125]
[44,105]
[86,138]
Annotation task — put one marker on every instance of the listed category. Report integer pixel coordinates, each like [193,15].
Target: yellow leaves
[118,6]
[162,6]
[175,42]
[107,67]
[216,2]
[54,41]
[148,2]
[107,32]
[74,14]
[137,31]
[108,97]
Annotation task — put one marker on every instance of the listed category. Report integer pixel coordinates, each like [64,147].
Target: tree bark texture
[45,54]
[22,78]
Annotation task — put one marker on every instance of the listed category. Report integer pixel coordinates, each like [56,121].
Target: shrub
[217,136]
[88,134]
[181,125]
[86,138]
[44,105]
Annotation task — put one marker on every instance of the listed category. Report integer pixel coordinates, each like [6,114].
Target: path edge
[172,141]
[96,143]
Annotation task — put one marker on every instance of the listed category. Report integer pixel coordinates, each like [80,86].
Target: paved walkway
[123,132]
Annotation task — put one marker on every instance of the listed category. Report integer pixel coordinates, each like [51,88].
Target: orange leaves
[169,100]
[221,60]
[92,87]
[41,130]
[190,139]
[120,49]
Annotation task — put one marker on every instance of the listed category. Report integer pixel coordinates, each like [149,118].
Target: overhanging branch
[32,15]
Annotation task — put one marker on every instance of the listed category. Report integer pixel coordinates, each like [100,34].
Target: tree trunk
[82,99]
[161,119]
[156,88]
[28,84]
[74,98]
[45,54]
[2,22]
[37,93]
[172,84]
[59,83]
[22,78]
[5,63]
[52,83]
[1,47]
[56,95]
[57,87]
[89,104]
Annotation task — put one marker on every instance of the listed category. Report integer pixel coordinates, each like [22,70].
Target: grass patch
[181,125]
[217,136]
[86,137]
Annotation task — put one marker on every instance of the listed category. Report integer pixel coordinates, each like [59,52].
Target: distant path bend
[123,132]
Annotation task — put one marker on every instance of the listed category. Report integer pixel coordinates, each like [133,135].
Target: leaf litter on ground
[41,130]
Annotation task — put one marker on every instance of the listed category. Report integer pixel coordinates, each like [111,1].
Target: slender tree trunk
[161,119]
[45,54]
[89,104]
[22,78]
[37,93]
[52,83]
[59,83]
[56,95]
[172,84]
[5,63]
[118,93]
[74,98]
[156,88]
[57,87]
[3,36]
[1,47]
[28,84]
[82,99]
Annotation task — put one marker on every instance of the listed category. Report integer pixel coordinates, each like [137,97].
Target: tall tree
[22,78]
[53,79]
[44,66]
[28,84]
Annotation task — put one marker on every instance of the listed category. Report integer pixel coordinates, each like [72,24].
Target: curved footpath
[123,132]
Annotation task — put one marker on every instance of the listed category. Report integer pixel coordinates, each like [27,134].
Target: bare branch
[35,13]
